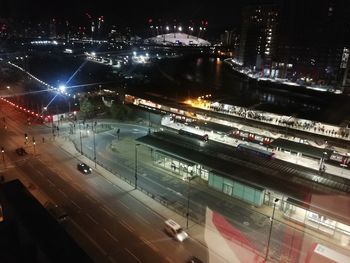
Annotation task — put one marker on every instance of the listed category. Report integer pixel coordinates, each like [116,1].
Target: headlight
[85,171]
[180,238]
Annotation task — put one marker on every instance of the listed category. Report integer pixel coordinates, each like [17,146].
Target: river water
[192,76]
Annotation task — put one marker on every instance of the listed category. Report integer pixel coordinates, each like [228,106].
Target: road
[108,222]
[170,189]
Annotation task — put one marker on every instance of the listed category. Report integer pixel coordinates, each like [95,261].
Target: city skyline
[126,13]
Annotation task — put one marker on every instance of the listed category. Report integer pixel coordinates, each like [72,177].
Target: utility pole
[3,155]
[272,218]
[94,130]
[188,202]
[81,142]
[136,145]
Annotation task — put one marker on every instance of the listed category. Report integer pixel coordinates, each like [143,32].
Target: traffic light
[26,136]
[2,149]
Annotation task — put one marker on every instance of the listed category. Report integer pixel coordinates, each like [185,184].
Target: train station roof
[299,194]
[32,222]
[218,161]
[305,149]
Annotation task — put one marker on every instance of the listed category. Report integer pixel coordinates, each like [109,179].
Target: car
[57,212]
[175,230]
[194,260]
[84,168]
[20,151]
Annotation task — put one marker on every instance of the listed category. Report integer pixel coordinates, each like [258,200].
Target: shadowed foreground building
[29,233]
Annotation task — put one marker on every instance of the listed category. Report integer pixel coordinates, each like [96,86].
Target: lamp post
[94,130]
[81,141]
[3,154]
[136,146]
[188,202]
[272,218]
[34,146]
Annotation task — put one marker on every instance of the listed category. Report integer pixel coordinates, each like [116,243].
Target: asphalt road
[169,188]
[109,223]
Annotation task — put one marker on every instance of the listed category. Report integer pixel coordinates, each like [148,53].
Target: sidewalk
[195,231]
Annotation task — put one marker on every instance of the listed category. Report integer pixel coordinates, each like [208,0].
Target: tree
[120,111]
[87,108]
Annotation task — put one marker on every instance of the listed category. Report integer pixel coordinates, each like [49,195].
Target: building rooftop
[219,161]
[29,226]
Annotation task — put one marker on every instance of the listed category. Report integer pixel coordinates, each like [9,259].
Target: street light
[34,146]
[269,239]
[81,141]
[188,201]
[3,154]
[136,146]
[94,131]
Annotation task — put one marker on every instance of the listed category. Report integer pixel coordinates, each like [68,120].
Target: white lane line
[39,173]
[108,211]
[148,243]
[124,205]
[89,237]
[169,260]
[50,182]
[142,219]
[63,193]
[127,250]
[74,203]
[90,198]
[77,187]
[91,218]
[127,226]
[110,235]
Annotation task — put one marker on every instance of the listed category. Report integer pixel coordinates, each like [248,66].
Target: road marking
[142,219]
[74,203]
[110,235]
[39,173]
[169,260]
[63,193]
[148,243]
[77,187]
[124,205]
[92,219]
[90,238]
[108,211]
[127,226]
[50,182]
[132,255]
[90,198]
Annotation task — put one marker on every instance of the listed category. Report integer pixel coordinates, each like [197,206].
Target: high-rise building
[297,39]
[52,28]
[229,38]
[311,38]
[258,35]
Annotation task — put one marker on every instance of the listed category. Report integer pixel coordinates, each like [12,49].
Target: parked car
[84,168]
[20,151]
[57,212]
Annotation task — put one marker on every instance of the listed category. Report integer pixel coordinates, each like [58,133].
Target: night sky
[219,13]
